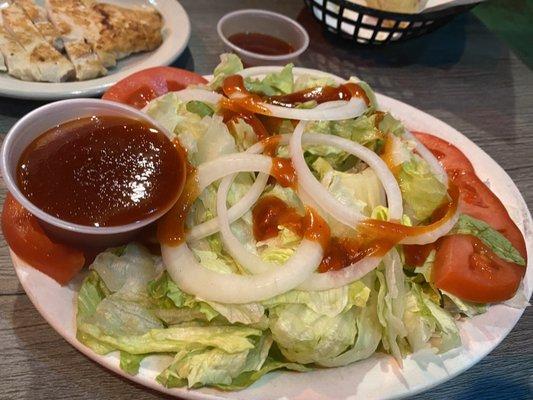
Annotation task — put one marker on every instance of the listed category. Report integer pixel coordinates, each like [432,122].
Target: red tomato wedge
[139,88]
[465,267]
[449,156]
[27,239]
[462,266]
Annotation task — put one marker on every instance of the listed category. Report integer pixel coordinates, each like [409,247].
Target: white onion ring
[193,278]
[238,210]
[251,262]
[428,157]
[204,95]
[209,285]
[228,164]
[432,236]
[342,213]
[350,109]
[334,279]
[207,96]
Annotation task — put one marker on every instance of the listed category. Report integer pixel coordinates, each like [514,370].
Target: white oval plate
[378,377]
[176,33]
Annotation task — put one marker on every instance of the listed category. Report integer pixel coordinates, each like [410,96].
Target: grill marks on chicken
[93,35]
[46,63]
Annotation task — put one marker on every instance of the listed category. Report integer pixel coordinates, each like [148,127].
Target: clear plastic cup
[39,121]
[264,22]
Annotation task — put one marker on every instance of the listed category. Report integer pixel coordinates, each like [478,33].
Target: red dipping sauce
[260,43]
[102,171]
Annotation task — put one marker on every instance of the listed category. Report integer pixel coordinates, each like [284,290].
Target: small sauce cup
[267,23]
[41,120]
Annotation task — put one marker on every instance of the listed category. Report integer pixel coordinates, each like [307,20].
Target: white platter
[378,377]
[176,33]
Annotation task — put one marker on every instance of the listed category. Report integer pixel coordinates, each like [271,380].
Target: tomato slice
[141,87]
[451,158]
[465,267]
[478,201]
[27,239]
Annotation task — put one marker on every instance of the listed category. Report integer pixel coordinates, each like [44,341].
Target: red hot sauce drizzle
[320,94]
[240,99]
[250,118]
[171,228]
[270,212]
[373,237]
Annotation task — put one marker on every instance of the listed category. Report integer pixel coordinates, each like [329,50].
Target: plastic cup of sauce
[261,37]
[93,172]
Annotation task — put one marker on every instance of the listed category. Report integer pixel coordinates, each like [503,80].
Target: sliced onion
[342,213]
[238,210]
[334,279]
[262,71]
[428,157]
[330,112]
[251,262]
[228,164]
[194,278]
[432,236]
[234,213]
[207,96]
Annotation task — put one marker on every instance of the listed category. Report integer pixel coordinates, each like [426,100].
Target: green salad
[309,287]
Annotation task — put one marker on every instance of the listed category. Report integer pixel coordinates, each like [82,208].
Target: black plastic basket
[375,27]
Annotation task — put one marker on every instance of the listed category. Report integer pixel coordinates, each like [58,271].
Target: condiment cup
[39,121]
[268,23]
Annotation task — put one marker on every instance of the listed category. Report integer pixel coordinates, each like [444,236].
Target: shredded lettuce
[368,333]
[316,326]
[214,366]
[200,108]
[458,306]
[391,306]
[361,190]
[129,304]
[273,84]
[230,64]
[307,81]
[204,138]
[422,191]
[305,336]
[428,325]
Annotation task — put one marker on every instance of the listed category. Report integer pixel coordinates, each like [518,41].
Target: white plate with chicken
[54,49]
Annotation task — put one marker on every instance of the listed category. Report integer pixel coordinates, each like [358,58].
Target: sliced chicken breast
[79,29]
[48,65]
[38,16]
[128,30]
[17,59]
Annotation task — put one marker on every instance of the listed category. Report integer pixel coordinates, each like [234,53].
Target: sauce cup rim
[11,181]
[264,57]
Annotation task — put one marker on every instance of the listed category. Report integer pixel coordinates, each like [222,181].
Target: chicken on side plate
[37,15]
[78,29]
[73,39]
[46,63]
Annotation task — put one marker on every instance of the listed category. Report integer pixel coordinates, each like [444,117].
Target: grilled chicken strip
[79,29]
[47,64]
[38,16]
[128,30]
[16,58]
